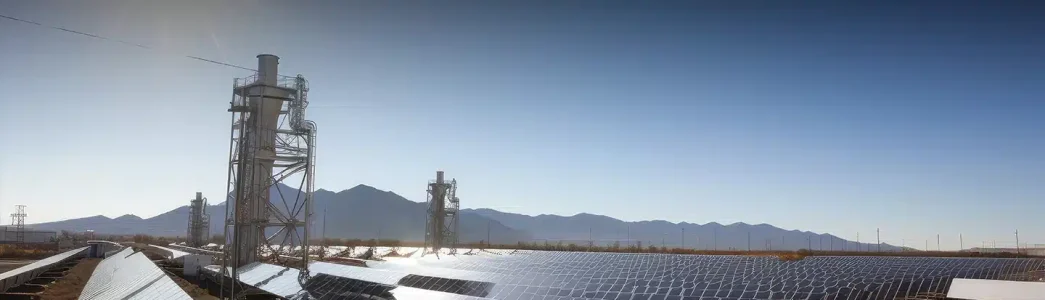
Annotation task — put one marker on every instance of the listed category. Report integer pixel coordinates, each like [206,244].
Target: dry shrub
[27,251]
[795,256]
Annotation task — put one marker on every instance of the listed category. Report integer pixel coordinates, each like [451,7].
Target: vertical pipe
[438,197]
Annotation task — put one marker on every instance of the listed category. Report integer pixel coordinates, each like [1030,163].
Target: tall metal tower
[441,228]
[18,220]
[199,222]
[271,144]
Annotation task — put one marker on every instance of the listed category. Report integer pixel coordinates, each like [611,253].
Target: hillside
[606,231]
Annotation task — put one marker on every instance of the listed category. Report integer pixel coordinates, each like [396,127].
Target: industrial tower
[441,228]
[271,144]
[199,222]
[18,220]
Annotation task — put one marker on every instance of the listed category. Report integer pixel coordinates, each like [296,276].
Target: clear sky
[829,116]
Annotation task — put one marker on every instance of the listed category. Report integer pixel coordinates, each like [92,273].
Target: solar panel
[130,275]
[170,254]
[27,272]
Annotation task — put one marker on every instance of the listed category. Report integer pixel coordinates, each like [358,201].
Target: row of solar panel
[27,272]
[333,281]
[168,253]
[130,275]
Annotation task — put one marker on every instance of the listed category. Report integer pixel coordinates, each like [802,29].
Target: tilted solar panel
[130,275]
[23,274]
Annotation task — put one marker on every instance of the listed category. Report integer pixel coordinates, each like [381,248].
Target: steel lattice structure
[271,144]
[442,218]
[198,231]
[18,220]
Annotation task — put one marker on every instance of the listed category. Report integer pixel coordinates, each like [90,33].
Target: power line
[121,42]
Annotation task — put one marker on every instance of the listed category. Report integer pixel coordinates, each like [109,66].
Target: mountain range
[365,212]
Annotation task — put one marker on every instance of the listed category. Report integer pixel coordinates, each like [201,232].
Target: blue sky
[821,116]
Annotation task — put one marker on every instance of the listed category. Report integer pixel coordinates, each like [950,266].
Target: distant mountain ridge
[365,212]
[361,212]
[603,230]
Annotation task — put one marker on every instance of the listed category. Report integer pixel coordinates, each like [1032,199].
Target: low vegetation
[573,247]
[27,251]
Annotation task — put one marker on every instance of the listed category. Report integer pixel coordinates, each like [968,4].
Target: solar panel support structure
[18,220]
[271,145]
[198,232]
[442,218]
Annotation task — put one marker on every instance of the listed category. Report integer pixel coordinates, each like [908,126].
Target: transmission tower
[441,224]
[199,222]
[18,220]
[271,144]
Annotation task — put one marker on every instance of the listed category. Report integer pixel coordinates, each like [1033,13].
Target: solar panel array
[578,275]
[130,275]
[333,281]
[542,275]
[27,272]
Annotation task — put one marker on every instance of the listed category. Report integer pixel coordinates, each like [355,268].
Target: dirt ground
[193,290]
[70,286]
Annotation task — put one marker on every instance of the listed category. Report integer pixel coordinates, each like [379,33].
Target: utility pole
[809,240]
[716,238]
[749,241]
[961,242]
[858,241]
[629,234]
[1017,241]
[926,245]
[821,243]
[878,231]
[662,239]
[590,241]
[683,237]
[488,223]
[937,242]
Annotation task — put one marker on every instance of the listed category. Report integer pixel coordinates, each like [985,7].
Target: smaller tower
[18,220]
[443,204]
[199,222]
